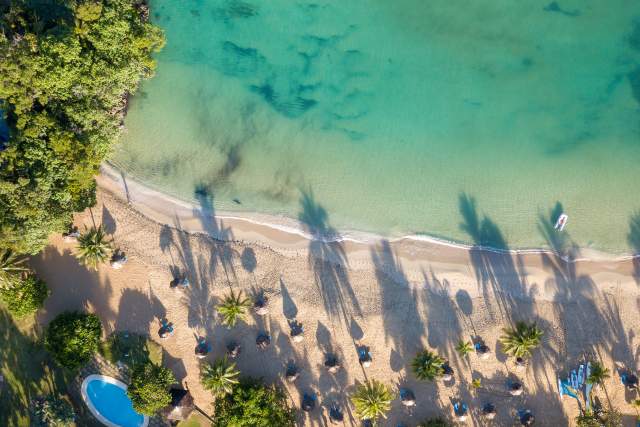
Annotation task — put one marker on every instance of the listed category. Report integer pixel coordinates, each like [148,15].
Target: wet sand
[394,297]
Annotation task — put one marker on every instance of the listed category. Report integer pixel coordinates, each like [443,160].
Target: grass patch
[195,420]
[131,349]
[27,369]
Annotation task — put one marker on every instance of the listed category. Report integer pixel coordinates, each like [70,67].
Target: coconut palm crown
[219,377]
[11,265]
[464,347]
[598,374]
[372,400]
[233,308]
[428,366]
[93,247]
[519,342]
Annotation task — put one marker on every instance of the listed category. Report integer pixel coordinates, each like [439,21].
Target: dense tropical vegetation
[73,338]
[253,404]
[11,267]
[149,388]
[66,70]
[53,411]
[24,295]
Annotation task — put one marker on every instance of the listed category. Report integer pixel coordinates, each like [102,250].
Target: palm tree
[598,374]
[233,308]
[372,400]
[520,341]
[219,377]
[428,366]
[11,265]
[464,347]
[93,247]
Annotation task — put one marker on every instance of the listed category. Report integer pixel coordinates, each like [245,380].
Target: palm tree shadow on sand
[223,254]
[396,291]
[328,259]
[500,277]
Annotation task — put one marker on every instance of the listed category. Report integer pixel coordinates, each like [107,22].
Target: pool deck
[100,366]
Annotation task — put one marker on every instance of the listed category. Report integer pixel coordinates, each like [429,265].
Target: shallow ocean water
[403,117]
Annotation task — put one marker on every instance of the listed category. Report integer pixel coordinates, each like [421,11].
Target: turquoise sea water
[388,112]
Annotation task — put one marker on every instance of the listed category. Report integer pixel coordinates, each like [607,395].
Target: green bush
[131,349]
[253,404]
[52,411]
[73,338]
[66,71]
[149,388]
[24,296]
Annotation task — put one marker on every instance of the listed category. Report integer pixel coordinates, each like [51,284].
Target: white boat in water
[561,222]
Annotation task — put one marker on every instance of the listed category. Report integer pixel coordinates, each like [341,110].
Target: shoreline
[396,298]
[284,234]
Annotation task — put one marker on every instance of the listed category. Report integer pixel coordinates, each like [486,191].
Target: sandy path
[394,298]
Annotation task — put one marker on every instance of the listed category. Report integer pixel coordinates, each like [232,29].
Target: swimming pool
[107,400]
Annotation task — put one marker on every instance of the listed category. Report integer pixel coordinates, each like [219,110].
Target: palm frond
[599,374]
[233,308]
[11,265]
[220,377]
[372,400]
[519,342]
[428,366]
[93,247]
[464,347]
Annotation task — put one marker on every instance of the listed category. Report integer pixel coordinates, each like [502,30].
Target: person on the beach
[166,329]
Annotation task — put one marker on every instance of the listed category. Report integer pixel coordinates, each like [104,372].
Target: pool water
[112,403]
[390,113]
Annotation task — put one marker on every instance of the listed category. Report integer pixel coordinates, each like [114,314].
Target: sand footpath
[393,297]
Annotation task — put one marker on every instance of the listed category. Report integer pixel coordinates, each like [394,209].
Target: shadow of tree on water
[559,242]
[634,242]
[328,260]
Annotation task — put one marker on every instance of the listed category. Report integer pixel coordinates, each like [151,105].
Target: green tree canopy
[73,338]
[24,295]
[253,404]
[149,388]
[52,411]
[66,70]
[220,377]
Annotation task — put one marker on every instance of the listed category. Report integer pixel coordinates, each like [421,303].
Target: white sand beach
[393,297]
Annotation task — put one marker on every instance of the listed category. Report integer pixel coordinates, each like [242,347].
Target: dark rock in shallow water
[290,105]
[554,6]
